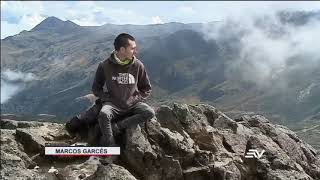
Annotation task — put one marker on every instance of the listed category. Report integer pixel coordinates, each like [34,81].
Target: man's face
[130,51]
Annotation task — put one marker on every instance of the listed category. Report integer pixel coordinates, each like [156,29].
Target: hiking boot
[72,125]
[94,135]
[105,160]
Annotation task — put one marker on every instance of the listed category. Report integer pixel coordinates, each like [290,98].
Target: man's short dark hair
[122,41]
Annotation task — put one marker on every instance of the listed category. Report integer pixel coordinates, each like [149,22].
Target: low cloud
[13,82]
[263,48]
[12,76]
[157,20]
[8,90]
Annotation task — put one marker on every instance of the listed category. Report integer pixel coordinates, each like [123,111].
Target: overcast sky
[17,15]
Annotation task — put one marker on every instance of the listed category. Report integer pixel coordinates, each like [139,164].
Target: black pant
[140,112]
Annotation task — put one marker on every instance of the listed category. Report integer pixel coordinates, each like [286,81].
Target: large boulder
[112,171]
[15,163]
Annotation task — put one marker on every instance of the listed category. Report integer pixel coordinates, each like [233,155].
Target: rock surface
[191,142]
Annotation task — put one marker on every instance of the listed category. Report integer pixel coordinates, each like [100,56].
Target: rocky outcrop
[191,142]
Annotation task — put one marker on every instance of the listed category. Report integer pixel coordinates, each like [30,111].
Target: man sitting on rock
[121,83]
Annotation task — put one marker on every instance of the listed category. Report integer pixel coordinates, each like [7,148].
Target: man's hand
[134,99]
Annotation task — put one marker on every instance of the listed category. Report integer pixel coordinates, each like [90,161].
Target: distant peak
[54,23]
[51,21]
[52,18]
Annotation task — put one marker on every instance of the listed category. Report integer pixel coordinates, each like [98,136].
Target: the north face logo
[124,78]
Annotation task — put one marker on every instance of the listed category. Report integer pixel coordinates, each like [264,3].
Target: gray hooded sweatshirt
[126,84]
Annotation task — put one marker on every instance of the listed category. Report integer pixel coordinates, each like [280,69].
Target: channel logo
[253,153]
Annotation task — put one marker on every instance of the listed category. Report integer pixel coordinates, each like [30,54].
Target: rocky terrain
[191,142]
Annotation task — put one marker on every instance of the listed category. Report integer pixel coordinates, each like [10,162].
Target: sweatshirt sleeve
[144,85]
[98,82]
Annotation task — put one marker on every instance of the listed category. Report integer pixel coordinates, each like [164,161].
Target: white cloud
[8,90]
[306,40]
[157,20]
[9,75]
[20,8]
[13,82]
[186,10]
[94,14]
[265,51]
[126,16]
[86,14]
[32,19]
[88,20]
[27,22]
